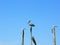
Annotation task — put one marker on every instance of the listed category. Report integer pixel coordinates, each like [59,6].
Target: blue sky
[14,15]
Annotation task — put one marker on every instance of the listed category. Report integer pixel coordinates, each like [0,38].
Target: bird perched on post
[30,24]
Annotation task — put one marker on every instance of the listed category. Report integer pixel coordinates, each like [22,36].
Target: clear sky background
[14,15]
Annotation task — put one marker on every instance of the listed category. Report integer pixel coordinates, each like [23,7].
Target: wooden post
[22,37]
[53,35]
